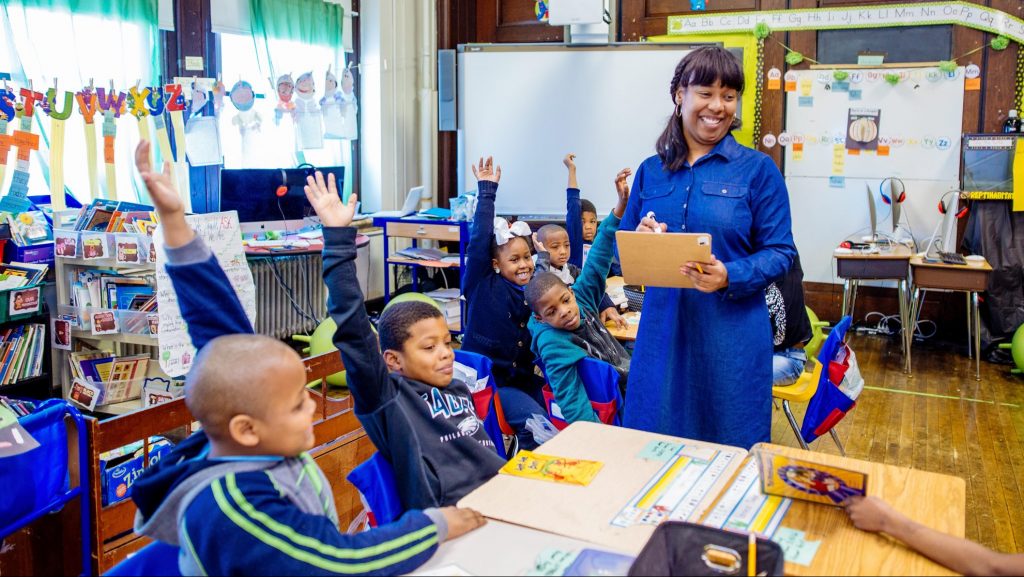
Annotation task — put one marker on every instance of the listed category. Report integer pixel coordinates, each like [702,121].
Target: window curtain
[70,42]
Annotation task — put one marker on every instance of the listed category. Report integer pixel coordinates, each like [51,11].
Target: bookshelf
[35,386]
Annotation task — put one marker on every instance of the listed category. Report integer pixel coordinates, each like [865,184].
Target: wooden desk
[584,513]
[952,277]
[628,333]
[891,264]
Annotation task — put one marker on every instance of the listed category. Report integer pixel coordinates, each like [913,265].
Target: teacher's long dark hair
[702,67]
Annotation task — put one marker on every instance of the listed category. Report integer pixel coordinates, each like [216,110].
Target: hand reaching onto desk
[611,315]
[165,198]
[461,521]
[875,515]
[324,198]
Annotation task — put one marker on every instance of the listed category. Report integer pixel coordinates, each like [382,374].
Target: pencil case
[678,548]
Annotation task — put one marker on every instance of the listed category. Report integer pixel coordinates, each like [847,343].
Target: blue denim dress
[702,368]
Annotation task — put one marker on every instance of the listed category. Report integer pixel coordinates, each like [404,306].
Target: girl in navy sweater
[499,265]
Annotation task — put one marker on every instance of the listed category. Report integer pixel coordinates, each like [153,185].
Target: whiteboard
[921,121]
[530,105]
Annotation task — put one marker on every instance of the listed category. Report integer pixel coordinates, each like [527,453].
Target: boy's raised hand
[487,170]
[537,244]
[461,521]
[622,190]
[570,161]
[165,198]
[323,197]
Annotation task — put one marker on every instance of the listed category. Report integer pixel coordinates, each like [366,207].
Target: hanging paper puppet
[243,98]
[330,104]
[285,87]
[349,105]
[309,132]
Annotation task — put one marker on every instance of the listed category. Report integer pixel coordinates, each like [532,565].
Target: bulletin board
[916,133]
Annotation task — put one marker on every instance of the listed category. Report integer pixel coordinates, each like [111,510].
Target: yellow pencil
[752,555]
[700,270]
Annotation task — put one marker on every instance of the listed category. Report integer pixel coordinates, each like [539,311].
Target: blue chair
[157,558]
[484,400]
[601,382]
[375,480]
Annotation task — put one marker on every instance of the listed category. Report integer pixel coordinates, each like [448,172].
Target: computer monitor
[872,212]
[946,241]
[987,165]
[253,193]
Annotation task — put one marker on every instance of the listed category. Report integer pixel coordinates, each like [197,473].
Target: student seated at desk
[420,419]
[560,250]
[242,496]
[791,327]
[963,556]
[565,324]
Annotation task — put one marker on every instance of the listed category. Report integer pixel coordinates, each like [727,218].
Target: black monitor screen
[988,163]
[253,192]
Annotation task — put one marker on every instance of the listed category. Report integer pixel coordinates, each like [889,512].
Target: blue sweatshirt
[574,228]
[561,350]
[257,515]
[431,436]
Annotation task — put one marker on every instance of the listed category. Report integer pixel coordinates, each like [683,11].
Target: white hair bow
[503,232]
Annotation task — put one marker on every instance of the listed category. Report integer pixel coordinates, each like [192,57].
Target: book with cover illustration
[807,480]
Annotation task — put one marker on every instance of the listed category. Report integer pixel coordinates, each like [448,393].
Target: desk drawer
[431,231]
[872,268]
[953,278]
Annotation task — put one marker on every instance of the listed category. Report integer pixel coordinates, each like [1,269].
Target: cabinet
[417,230]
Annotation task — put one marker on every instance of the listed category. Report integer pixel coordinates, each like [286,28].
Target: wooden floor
[941,419]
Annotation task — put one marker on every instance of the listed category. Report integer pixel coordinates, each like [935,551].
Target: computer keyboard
[952,258]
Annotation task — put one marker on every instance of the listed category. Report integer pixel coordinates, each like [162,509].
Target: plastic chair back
[375,480]
[157,558]
[484,400]
[817,335]
[601,382]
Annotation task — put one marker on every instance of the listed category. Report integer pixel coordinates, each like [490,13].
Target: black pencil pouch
[679,548]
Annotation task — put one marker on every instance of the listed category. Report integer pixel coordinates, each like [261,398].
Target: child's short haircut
[539,286]
[587,206]
[544,232]
[395,322]
[225,378]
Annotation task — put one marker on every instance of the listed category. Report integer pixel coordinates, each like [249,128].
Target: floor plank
[942,420]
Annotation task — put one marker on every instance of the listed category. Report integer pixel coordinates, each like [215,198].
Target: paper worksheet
[743,507]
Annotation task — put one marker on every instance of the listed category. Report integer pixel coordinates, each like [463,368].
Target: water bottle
[1012,123]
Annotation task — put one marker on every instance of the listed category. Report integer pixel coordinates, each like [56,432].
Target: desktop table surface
[584,513]
[919,261]
[898,252]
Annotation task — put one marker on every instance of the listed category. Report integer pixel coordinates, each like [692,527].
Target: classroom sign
[929,13]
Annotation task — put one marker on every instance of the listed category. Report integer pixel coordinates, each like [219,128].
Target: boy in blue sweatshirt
[566,327]
[420,419]
[243,496]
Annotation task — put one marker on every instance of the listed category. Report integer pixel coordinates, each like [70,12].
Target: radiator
[291,297]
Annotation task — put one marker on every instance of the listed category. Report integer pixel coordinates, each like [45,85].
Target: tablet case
[654,259]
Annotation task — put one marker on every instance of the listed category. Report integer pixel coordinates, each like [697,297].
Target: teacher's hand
[715,276]
[648,224]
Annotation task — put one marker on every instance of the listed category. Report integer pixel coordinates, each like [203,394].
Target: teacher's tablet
[654,259]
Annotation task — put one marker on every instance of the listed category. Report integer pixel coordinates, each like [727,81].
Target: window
[48,45]
[319,131]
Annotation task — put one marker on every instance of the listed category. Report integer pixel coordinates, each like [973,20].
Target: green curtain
[138,11]
[306,21]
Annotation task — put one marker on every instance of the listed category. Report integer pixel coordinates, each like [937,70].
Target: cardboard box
[119,474]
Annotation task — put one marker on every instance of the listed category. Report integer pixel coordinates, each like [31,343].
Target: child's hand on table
[611,315]
[487,170]
[870,513]
[323,197]
[461,521]
[165,198]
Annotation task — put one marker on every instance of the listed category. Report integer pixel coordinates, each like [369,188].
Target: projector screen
[530,105]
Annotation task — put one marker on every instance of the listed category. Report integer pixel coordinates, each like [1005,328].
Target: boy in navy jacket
[243,496]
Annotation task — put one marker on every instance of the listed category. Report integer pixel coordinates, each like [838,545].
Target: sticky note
[883,150]
[798,155]
[805,86]
[774,83]
[972,84]
[659,451]
[806,101]
[837,182]
[856,94]
[795,546]
[790,86]
[870,59]
[838,86]
[553,562]
[853,151]
[798,147]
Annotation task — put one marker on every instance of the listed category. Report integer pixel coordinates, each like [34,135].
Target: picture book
[30,228]
[806,480]
[548,468]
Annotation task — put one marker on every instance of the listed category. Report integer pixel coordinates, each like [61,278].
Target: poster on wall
[862,126]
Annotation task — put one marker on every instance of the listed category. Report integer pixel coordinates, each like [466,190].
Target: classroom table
[952,277]
[891,264]
[614,289]
[585,513]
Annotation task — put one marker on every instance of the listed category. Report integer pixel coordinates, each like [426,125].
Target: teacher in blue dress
[702,368]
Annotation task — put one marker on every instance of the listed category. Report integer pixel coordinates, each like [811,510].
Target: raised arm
[190,263]
[573,213]
[590,287]
[367,374]
[478,261]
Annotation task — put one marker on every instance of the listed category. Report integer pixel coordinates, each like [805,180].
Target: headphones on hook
[961,212]
[897,191]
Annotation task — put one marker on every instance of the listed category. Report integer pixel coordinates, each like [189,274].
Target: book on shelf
[21,353]
[420,253]
[19,274]
[103,215]
[30,228]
